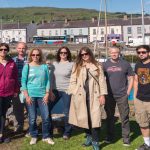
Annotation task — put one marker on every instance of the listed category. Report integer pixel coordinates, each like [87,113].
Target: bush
[131,58]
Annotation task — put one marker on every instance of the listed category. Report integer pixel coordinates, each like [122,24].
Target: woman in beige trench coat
[87,87]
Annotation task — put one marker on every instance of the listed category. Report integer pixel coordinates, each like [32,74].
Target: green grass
[78,138]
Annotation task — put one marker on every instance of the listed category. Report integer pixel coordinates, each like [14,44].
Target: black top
[143,72]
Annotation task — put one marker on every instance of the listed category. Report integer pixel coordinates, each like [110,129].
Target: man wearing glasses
[142,94]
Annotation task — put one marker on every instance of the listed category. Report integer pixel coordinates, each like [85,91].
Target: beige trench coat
[78,110]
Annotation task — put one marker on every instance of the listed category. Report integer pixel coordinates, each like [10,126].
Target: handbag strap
[93,77]
[27,73]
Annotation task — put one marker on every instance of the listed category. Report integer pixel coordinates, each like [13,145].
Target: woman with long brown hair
[36,86]
[88,89]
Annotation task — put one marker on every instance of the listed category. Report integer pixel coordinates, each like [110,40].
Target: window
[94,31]
[129,30]
[139,30]
[42,33]
[80,31]
[71,31]
[112,31]
[65,32]
[102,38]
[56,32]
[50,32]
[102,31]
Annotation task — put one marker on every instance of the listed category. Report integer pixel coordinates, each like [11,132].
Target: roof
[15,26]
[90,23]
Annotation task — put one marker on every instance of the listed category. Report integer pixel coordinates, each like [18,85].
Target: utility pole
[143,29]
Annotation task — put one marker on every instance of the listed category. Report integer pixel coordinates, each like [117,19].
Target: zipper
[4,71]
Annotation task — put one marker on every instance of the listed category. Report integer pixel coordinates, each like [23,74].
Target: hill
[37,14]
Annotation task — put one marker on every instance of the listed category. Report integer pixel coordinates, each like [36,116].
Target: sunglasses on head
[141,52]
[5,49]
[63,53]
[84,54]
[35,55]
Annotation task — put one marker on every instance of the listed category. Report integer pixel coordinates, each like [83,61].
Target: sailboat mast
[143,30]
[106,34]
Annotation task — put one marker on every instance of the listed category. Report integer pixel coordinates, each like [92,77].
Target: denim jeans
[32,110]
[66,106]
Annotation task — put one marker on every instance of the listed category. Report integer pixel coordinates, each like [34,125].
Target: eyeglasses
[35,55]
[141,52]
[63,53]
[3,49]
[84,54]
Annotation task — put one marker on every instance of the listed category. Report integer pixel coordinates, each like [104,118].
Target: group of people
[85,87]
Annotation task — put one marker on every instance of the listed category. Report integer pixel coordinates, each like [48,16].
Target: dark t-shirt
[117,77]
[143,72]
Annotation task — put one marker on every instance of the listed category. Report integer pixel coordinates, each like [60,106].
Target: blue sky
[130,6]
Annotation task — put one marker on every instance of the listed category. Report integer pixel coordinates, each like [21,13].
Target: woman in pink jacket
[8,86]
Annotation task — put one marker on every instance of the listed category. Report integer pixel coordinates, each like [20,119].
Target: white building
[135,30]
[114,32]
[17,32]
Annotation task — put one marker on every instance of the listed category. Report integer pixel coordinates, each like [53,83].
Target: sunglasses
[63,53]
[84,54]
[142,52]
[3,49]
[35,55]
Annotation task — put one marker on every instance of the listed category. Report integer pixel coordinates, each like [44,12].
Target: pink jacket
[8,79]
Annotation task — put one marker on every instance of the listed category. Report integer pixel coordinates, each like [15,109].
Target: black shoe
[144,147]
[108,140]
[5,140]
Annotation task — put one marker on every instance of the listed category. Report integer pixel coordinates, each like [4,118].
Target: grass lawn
[78,138]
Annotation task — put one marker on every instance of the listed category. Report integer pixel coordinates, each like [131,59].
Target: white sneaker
[33,141]
[27,135]
[49,141]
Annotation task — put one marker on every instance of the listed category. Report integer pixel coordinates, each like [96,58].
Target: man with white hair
[118,72]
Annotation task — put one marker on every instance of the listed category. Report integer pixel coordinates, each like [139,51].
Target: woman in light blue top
[36,85]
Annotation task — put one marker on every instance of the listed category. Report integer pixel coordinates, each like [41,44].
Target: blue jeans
[66,106]
[32,110]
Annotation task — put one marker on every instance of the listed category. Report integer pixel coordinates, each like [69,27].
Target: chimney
[32,21]
[93,20]
[125,17]
[66,20]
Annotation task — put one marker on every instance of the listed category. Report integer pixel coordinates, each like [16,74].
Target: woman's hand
[15,94]
[46,98]
[29,100]
[52,96]
[102,100]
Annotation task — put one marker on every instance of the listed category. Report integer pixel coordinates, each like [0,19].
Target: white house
[135,30]
[17,32]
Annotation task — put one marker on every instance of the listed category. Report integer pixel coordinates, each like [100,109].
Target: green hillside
[37,14]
